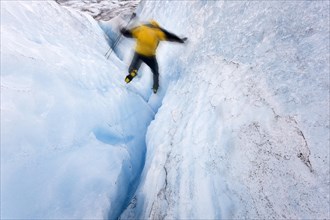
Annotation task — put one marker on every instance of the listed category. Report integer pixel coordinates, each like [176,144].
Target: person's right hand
[123,30]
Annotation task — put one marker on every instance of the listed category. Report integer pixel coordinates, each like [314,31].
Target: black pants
[150,61]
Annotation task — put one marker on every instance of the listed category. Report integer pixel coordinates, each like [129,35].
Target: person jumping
[147,38]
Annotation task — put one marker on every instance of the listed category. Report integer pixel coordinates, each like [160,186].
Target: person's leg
[134,67]
[152,63]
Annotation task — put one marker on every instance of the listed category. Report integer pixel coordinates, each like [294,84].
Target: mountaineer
[147,38]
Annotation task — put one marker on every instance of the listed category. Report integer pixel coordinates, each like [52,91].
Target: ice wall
[72,134]
[243,130]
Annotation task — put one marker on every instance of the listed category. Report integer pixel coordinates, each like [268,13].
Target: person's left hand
[184,39]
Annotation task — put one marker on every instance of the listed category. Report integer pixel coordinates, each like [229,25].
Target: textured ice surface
[243,130]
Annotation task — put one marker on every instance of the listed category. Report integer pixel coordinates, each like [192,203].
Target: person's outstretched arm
[172,37]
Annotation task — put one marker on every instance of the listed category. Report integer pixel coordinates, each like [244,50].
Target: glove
[184,39]
[123,30]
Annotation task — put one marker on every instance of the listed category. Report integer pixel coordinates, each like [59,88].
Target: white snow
[102,9]
[243,131]
[72,134]
[242,115]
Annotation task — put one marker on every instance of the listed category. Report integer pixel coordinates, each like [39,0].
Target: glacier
[243,130]
[72,134]
[239,128]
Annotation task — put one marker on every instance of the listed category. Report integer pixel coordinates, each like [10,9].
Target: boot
[130,76]
[155,88]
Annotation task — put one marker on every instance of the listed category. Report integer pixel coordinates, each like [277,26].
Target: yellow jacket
[148,37]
